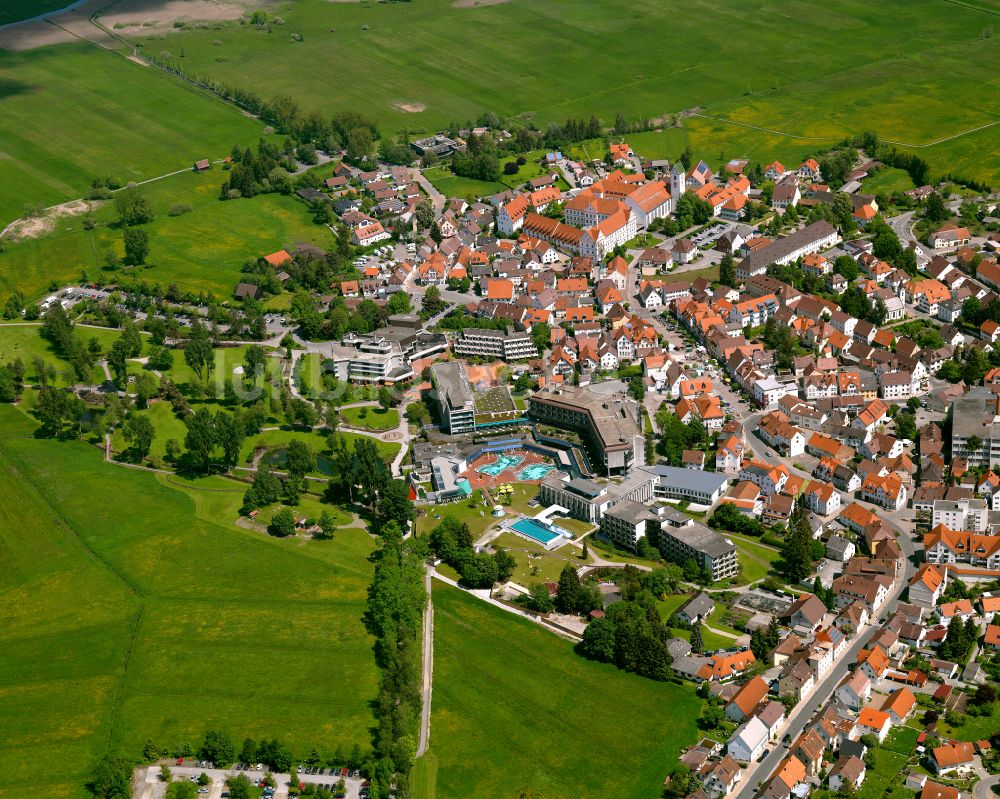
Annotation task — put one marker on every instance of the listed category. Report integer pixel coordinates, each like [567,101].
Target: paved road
[428,671]
[437,198]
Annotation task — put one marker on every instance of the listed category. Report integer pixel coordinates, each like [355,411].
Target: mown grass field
[130,613]
[514,707]
[23,341]
[73,112]
[202,250]
[813,72]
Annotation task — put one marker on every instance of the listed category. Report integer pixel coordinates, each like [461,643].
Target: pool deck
[509,475]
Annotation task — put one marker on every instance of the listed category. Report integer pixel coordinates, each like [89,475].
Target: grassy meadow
[202,249]
[73,112]
[131,610]
[515,708]
[914,71]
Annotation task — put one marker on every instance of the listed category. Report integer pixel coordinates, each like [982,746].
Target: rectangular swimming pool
[533,529]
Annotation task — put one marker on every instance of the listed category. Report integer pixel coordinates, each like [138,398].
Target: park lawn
[888,181]
[471,511]
[201,250]
[88,569]
[73,112]
[24,341]
[379,419]
[578,527]
[317,439]
[530,556]
[451,185]
[515,708]
[167,424]
[756,560]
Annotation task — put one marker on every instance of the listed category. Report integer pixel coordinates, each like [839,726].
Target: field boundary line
[974,8]
[112,716]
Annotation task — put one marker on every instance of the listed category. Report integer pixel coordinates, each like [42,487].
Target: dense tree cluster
[57,329]
[726,517]
[675,436]
[452,542]
[799,549]
[480,160]
[396,601]
[763,640]
[359,473]
[632,636]
[959,640]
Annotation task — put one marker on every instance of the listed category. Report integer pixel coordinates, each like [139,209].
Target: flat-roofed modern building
[454,395]
[695,541]
[626,522]
[589,500]
[692,485]
[609,425]
[508,345]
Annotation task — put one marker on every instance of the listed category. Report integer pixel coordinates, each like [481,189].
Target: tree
[326,526]
[132,207]
[394,505]
[697,644]
[200,439]
[112,778]
[796,553]
[539,599]
[217,747]
[299,458]
[568,593]
[282,523]
[384,398]
[425,214]
[936,210]
[541,334]
[727,271]
[229,434]
[598,640]
[118,361]
[253,361]
[136,245]
[139,432]
[846,267]
[165,773]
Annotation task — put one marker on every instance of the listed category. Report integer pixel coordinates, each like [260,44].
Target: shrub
[178,209]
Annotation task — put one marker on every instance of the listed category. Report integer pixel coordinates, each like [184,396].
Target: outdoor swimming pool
[534,530]
[501,464]
[535,471]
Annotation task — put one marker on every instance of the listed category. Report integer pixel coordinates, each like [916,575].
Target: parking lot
[152,787]
[709,235]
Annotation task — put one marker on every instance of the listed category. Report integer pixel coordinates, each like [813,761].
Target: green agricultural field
[129,615]
[202,250]
[809,73]
[73,112]
[514,707]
